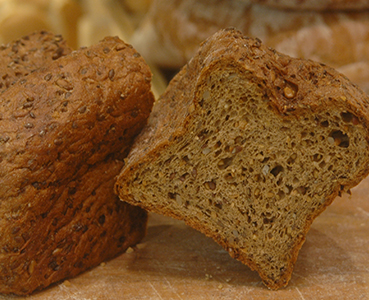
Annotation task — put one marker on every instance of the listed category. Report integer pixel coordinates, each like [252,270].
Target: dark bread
[24,56]
[64,130]
[248,146]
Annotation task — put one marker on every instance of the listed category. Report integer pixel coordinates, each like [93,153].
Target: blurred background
[168,32]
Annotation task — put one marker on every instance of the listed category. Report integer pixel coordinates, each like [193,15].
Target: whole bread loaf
[249,146]
[64,131]
[175,28]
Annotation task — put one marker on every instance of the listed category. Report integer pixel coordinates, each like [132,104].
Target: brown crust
[316,87]
[64,129]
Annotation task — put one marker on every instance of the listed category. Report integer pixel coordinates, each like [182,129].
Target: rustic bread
[31,52]
[64,130]
[327,5]
[248,146]
[173,30]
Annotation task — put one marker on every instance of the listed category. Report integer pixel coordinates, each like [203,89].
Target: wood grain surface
[177,262]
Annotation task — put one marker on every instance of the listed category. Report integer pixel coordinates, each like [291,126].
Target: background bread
[249,146]
[65,129]
[173,30]
[21,17]
[315,4]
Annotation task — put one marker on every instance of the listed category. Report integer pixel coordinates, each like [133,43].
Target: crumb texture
[243,166]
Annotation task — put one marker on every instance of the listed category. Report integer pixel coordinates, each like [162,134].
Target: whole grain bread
[175,28]
[249,146]
[64,131]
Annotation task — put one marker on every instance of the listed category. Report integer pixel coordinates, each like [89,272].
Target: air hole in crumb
[317,157]
[276,170]
[347,117]
[324,124]
[186,159]
[302,190]
[225,163]
[281,194]
[340,139]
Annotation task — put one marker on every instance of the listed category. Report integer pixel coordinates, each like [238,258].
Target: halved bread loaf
[248,146]
[65,129]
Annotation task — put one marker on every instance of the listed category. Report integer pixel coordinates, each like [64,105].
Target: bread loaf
[249,146]
[64,131]
[173,30]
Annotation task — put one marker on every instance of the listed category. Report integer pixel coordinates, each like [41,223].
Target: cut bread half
[248,146]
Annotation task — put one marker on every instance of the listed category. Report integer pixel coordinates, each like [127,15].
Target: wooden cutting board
[177,262]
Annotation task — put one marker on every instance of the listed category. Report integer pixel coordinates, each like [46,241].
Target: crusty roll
[64,130]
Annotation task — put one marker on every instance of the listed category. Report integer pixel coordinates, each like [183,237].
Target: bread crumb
[220,286]
[67,283]
[140,246]
[208,276]
[130,250]
[103,264]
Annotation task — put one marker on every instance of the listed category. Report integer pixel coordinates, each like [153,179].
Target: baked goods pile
[246,144]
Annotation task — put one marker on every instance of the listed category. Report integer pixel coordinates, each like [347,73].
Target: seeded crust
[248,146]
[21,57]
[64,131]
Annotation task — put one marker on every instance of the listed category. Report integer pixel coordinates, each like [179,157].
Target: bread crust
[65,129]
[314,87]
